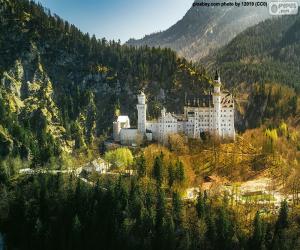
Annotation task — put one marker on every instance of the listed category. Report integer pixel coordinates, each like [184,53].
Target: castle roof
[179,117]
[123,118]
[217,76]
[227,100]
[204,101]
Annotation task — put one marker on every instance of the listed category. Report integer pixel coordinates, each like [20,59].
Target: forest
[61,212]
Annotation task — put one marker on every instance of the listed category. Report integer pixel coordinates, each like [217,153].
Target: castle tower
[116,131]
[217,83]
[142,112]
[163,112]
[217,104]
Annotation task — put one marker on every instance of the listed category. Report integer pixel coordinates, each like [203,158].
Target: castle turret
[217,83]
[163,112]
[116,131]
[217,104]
[142,112]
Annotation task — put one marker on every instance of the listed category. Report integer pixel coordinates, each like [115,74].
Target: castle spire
[217,77]
[217,83]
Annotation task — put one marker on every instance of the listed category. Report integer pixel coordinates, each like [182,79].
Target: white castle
[213,114]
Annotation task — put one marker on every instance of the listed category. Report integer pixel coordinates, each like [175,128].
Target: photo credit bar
[283,8]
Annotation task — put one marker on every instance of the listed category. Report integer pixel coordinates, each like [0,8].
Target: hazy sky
[119,19]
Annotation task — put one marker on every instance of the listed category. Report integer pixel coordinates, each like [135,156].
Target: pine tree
[269,236]
[180,174]
[171,175]
[200,206]
[76,233]
[211,232]
[169,234]
[282,221]
[141,166]
[223,230]
[160,219]
[280,237]
[257,239]
[177,209]
[3,173]
[38,233]
[158,169]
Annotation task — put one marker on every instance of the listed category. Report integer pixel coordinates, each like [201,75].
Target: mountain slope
[267,52]
[203,29]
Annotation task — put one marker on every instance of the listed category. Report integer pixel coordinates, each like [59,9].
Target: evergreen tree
[223,230]
[158,169]
[269,236]
[171,175]
[180,174]
[76,233]
[141,166]
[3,173]
[159,219]
[257,239]
[170,237]
[177,209]
[38,230]
[280,237]
[282,221]
[200,206]
[211,232]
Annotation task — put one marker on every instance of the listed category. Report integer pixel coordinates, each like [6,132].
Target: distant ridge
[203,29]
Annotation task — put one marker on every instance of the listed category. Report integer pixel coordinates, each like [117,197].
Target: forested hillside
[60,88]
[267,52]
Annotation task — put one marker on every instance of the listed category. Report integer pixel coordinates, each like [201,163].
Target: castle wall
[153,126]
[168,124]
[201,119]
[128,136]
[198,120]
[227,122]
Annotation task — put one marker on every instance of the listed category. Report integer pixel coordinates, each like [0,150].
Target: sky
[120,19]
